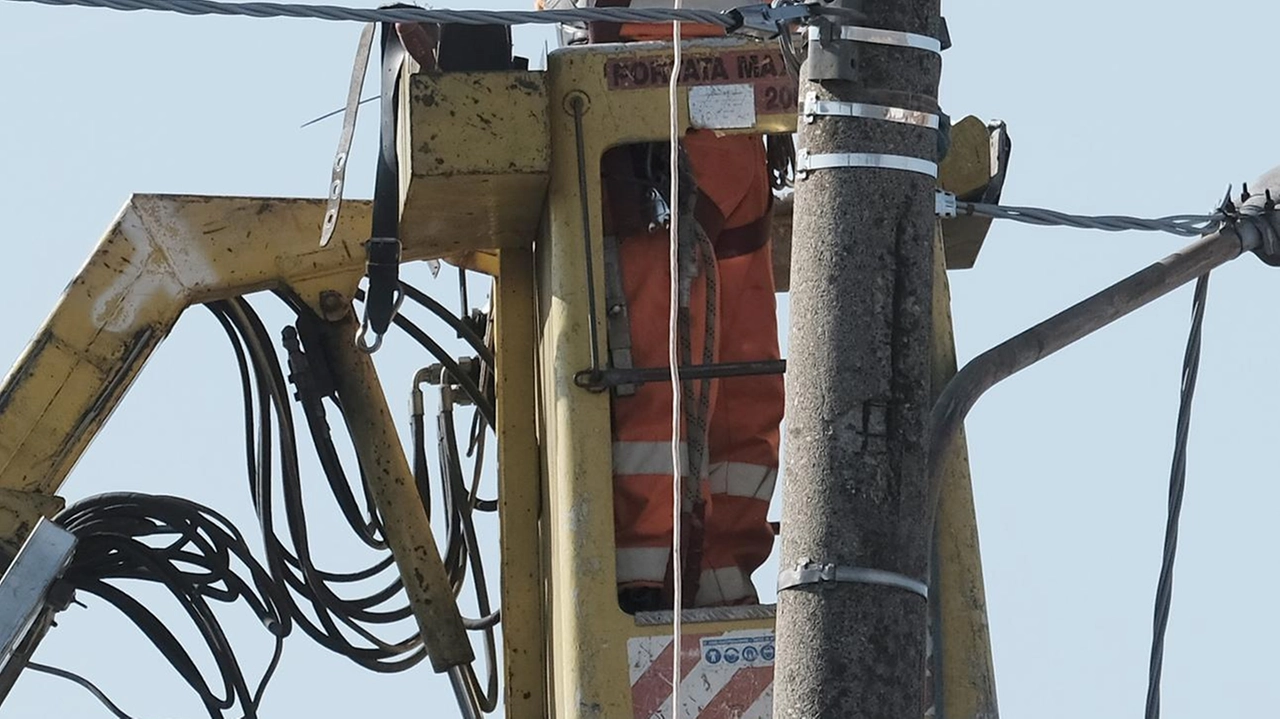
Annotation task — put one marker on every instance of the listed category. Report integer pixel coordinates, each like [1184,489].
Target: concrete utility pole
[851,643]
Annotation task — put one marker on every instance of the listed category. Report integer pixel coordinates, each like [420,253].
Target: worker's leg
[744,434]
[733,172]
[642,425]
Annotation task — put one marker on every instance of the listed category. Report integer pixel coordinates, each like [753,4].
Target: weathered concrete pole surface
[858,388]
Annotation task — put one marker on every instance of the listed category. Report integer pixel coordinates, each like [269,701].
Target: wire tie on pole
[809,572]
[806,163]
[813,107]
[879,36]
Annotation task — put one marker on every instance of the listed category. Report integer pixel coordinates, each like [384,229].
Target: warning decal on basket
[721,676]
[775,90]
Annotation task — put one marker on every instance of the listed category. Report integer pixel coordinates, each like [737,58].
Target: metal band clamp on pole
[809,572]
[813,107]
[877,36]
[806,162]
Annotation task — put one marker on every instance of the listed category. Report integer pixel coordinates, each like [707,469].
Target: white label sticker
[744,649]
[722,107]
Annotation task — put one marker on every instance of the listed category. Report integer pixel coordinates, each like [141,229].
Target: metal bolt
[577,103]
[333,306]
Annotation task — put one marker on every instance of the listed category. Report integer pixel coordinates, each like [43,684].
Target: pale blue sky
[1141,107]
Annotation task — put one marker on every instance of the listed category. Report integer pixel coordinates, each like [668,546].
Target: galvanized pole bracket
[944,204]
[810,572]
[833,53]
[814,108]
[807,162]
[876,36]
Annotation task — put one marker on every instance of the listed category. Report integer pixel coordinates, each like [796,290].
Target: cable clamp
[806,163]
[813,108]
[944,204]
[879,36]
[810,572]
[768,19]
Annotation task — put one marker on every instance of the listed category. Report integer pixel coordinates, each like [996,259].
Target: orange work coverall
[731,172]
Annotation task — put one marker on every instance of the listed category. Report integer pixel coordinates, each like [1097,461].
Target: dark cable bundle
[462,549]
[346,626]
[267,407]
[201,559]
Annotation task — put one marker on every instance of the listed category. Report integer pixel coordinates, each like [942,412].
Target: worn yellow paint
[968,678]
[589,647]
[482,261]
[524,637]
[966,172]
[19,512]
[163,254]
[474,158]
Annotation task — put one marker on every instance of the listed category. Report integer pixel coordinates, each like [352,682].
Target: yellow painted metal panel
[519,489]
[589,647]
[965,171]
[475,158]
[19,512]
[589,633]
[968,677]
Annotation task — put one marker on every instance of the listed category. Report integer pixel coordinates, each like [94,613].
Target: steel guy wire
[1184,225]
[1177,487]
[459,17]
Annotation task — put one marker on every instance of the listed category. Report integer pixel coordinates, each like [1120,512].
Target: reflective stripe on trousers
[740,479]
[635,458]
[717,586]
[643,564]
[726,585]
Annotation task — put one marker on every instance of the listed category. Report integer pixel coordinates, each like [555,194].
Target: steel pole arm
[1021,351]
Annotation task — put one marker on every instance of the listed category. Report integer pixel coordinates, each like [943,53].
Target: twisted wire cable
[1177,488]
[457,17]
[1183,225]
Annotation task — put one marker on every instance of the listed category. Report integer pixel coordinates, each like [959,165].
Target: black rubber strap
[383,249]
[386,190]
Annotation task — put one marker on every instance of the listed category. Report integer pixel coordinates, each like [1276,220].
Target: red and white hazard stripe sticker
[722,676]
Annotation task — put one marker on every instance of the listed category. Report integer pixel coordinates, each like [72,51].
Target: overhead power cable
[1183,225]
[1177,487]
[456,17]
